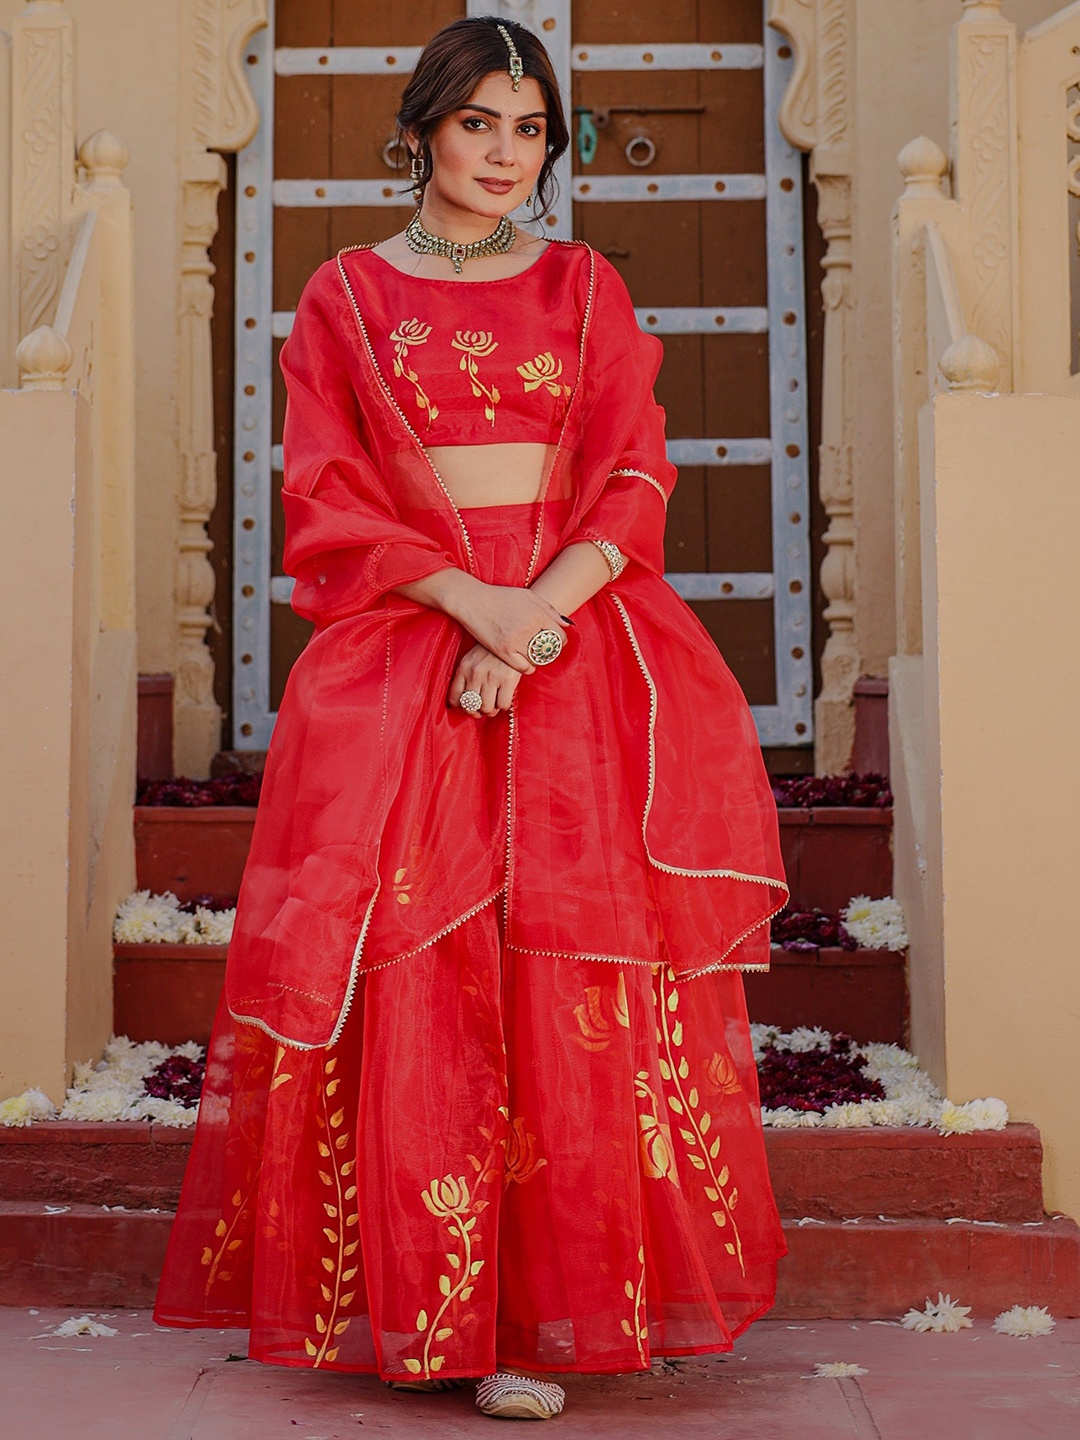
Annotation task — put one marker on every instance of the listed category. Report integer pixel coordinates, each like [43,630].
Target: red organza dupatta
[623,807]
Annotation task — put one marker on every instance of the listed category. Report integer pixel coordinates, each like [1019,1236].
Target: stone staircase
[875,1219]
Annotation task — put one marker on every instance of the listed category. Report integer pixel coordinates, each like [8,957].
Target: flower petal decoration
[809,1077]
[1024,1322]
[24,1109]
[147,1081]
[835,1370]
[943,1317]
[804,792]
[83,1325]
[183,792]
[876,924]
[988,1114]
[145,919]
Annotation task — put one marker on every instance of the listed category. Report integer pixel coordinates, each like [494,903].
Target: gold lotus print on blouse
[409,333]
[543,370]
[475,345]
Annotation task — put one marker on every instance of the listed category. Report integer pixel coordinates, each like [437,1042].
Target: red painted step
[844,1260]
[862,993]
[86,1256]
[831,853]
[167,992]
[907,1173]
[83,1255]
[131,1163]
[170,992]
[876,1271]
[902,1172]
[192,851]
[828,1174]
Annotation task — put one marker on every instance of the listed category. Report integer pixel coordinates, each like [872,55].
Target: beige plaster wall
[127,76]
[901,80]
[69,743]
[1002,600]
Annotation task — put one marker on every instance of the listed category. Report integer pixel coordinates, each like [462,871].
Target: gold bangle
[613,555]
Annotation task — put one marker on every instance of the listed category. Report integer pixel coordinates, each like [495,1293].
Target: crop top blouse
[466,368]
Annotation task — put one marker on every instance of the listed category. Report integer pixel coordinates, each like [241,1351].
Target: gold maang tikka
[517,69]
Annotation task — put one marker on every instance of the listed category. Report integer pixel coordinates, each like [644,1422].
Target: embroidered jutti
[480,1088]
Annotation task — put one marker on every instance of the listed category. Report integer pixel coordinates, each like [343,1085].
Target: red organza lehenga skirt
[505,1158]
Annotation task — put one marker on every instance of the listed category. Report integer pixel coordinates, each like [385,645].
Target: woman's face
[486,156]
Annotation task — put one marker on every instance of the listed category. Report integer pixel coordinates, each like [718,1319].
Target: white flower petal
[941,1317]
[24,1109]
[876,924]
[83,1325]
[1025,1321]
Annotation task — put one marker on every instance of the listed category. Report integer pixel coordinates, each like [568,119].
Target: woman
[480,1099]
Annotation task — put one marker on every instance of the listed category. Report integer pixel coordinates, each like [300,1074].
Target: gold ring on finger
[471,701]
[544,647]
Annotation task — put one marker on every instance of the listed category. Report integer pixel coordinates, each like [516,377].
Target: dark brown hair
[452,65]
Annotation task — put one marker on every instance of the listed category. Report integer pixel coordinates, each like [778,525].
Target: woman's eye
[479,120]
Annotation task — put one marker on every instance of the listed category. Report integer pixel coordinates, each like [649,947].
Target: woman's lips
[497,187]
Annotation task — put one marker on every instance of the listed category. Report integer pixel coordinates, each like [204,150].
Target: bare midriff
[501,474]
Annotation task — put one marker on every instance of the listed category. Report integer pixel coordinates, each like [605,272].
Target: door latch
[594,118]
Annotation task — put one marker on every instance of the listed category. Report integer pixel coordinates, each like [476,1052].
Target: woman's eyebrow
[497,114]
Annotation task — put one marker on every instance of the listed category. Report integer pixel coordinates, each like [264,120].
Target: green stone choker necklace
[424,243]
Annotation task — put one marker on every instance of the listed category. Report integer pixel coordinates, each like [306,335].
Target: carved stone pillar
[834,711]
[198,737]
[816,115]
[218,113]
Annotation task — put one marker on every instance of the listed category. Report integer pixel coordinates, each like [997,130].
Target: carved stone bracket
[43,159]
[984,127]
[816,115]
[219,114]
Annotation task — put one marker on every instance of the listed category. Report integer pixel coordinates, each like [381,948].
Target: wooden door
[678,174]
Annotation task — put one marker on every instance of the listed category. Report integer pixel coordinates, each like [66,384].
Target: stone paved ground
[151,1384]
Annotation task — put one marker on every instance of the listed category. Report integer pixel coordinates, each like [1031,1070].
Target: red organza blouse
[474,362]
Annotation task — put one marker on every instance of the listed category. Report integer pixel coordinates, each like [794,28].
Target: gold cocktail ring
[471,701]
[544,647]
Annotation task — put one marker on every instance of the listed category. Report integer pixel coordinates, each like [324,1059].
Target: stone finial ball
[44,357]
[923,163]
[104,157]
[970,364]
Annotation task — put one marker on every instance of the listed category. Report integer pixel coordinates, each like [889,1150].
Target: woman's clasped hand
[487,676]
[502,619]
